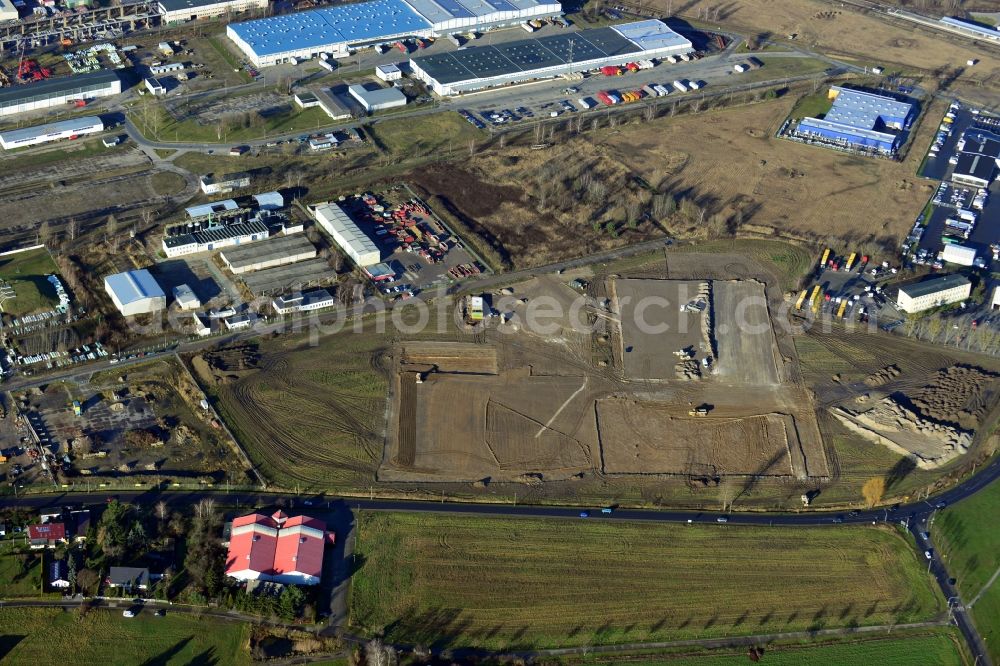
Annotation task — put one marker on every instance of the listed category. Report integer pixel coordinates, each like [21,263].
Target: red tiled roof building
[277,548]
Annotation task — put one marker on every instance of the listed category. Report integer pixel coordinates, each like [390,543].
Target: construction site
[696,388]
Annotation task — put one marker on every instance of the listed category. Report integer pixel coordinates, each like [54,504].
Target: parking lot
[976,213]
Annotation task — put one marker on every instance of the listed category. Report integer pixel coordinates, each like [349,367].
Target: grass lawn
[932,646]
[167,182]
[969,540]
[407,137]
[62,150]
[47,635]
[14,583]
[26,273]
[159,125]
[812,106]
[776,67]
[504,583]
[788,262]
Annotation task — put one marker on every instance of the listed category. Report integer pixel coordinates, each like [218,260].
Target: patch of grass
[940,647]
[776,67]
[812,106]
[34,636]
[970,542]
[20,160]
[163,153]
[788,262]
[157,124]
[407,137]
[312,420]
[230,58]
[167,182]
[504,583]
[17,581]
[26,272]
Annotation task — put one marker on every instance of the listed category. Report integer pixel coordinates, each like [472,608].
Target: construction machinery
[701,410]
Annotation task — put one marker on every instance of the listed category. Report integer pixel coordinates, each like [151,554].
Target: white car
[128,613]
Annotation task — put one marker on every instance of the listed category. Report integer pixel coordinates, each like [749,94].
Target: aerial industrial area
[499,332]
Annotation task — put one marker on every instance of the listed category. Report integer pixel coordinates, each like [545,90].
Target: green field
[503,583]
[157,124]
[926,647]
[312,419]
[812,106]
[789,263]
[47,635]
[968,537]
[26,273]
[16,583]
[424,135]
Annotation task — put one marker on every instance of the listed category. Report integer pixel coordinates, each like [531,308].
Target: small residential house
[46,535]
[129,579]
[59,574]
[81,524]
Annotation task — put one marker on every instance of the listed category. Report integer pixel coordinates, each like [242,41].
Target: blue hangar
[860,119]
[340,28]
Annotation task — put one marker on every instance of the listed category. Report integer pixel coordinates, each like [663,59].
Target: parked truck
[585,103]
[679,86]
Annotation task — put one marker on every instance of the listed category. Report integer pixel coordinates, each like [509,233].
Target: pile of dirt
[959,395]
[226,365]
[930,443]
[883,376]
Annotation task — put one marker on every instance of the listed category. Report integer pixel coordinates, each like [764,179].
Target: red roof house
[48,534]
[277,548]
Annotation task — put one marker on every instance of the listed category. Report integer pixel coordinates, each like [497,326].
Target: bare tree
[44,234]
[72,229]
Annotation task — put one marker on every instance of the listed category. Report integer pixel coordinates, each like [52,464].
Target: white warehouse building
[933,293]
[135,292]
[64,129]
[58,91]
[339,29]
[352,240]
[177,11]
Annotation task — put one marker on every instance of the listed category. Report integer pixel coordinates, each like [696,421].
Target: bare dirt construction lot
[661,338]
[729,161]
[508,410]
[839,30]
[743,333]
[463,419]
[647,438]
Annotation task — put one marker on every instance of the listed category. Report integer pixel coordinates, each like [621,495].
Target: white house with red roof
[277,548]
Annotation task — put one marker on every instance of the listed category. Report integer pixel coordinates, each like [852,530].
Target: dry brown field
[837,30]
[730,160]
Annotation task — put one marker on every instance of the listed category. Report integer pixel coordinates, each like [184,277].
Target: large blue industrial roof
[863,110]
[373,19]
[353,23]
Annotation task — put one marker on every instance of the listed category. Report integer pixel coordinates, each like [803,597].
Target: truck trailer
[679,86]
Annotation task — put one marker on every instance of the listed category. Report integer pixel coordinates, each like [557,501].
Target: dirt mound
[959,395]
[906,432]
[883,376]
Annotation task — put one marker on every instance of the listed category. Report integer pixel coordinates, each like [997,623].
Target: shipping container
[611,70]
[650,90]
[680,86]
[662,90]
[584,102]
[528,27]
